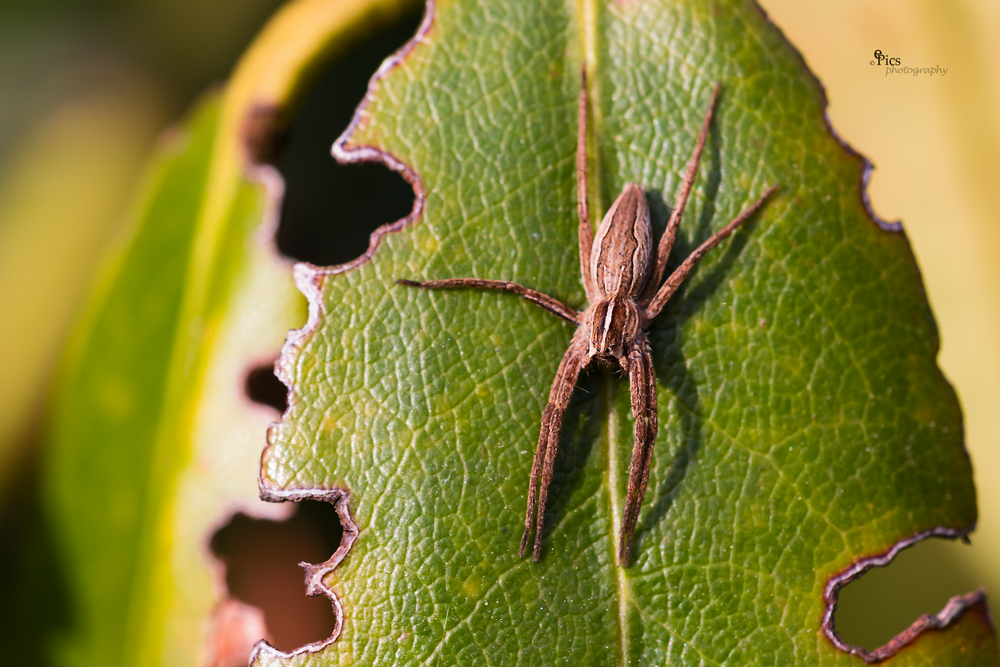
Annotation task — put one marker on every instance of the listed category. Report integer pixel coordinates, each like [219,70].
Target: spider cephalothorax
[622,277]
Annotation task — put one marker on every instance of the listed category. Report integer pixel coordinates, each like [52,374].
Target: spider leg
[670,234]
[551,304]
[682,271]
[572,363]
[642,381]
[585,230]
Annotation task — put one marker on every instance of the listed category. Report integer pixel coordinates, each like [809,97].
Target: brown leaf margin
[310,278]
[346,153]
[951,612]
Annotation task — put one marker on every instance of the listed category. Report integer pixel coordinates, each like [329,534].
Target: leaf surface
[804,424]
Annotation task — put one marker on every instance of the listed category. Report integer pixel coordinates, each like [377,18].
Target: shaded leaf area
[804,423]
[33,580]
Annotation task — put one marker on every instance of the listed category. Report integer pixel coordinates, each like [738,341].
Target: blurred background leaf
[72,153]
[87,86]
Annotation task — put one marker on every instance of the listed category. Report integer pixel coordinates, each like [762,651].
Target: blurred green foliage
[86,88]
[101,586]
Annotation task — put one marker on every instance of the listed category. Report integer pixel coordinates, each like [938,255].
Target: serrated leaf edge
[346,153]
[310,280]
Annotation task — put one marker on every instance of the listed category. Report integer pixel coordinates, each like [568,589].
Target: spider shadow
[665,335]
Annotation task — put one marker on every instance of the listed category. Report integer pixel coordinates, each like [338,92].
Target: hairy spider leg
[585,230]
[551,304]
[642,384]
[690,173]
[638,361]
[563,384]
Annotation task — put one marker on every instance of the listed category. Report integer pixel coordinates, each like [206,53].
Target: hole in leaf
[884,601]
[261,559]
[263,386]
[329,209]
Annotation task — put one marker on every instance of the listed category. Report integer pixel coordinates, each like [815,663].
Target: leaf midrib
[615,505]
[587,11]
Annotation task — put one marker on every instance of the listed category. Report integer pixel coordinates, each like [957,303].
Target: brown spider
[621,276]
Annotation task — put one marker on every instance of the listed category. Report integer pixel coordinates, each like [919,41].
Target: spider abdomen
[620,258]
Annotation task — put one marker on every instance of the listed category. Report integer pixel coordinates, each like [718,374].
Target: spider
[622,279]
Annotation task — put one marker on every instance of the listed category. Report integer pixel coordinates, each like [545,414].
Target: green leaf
[153,443]
[56,153]
[804,424]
